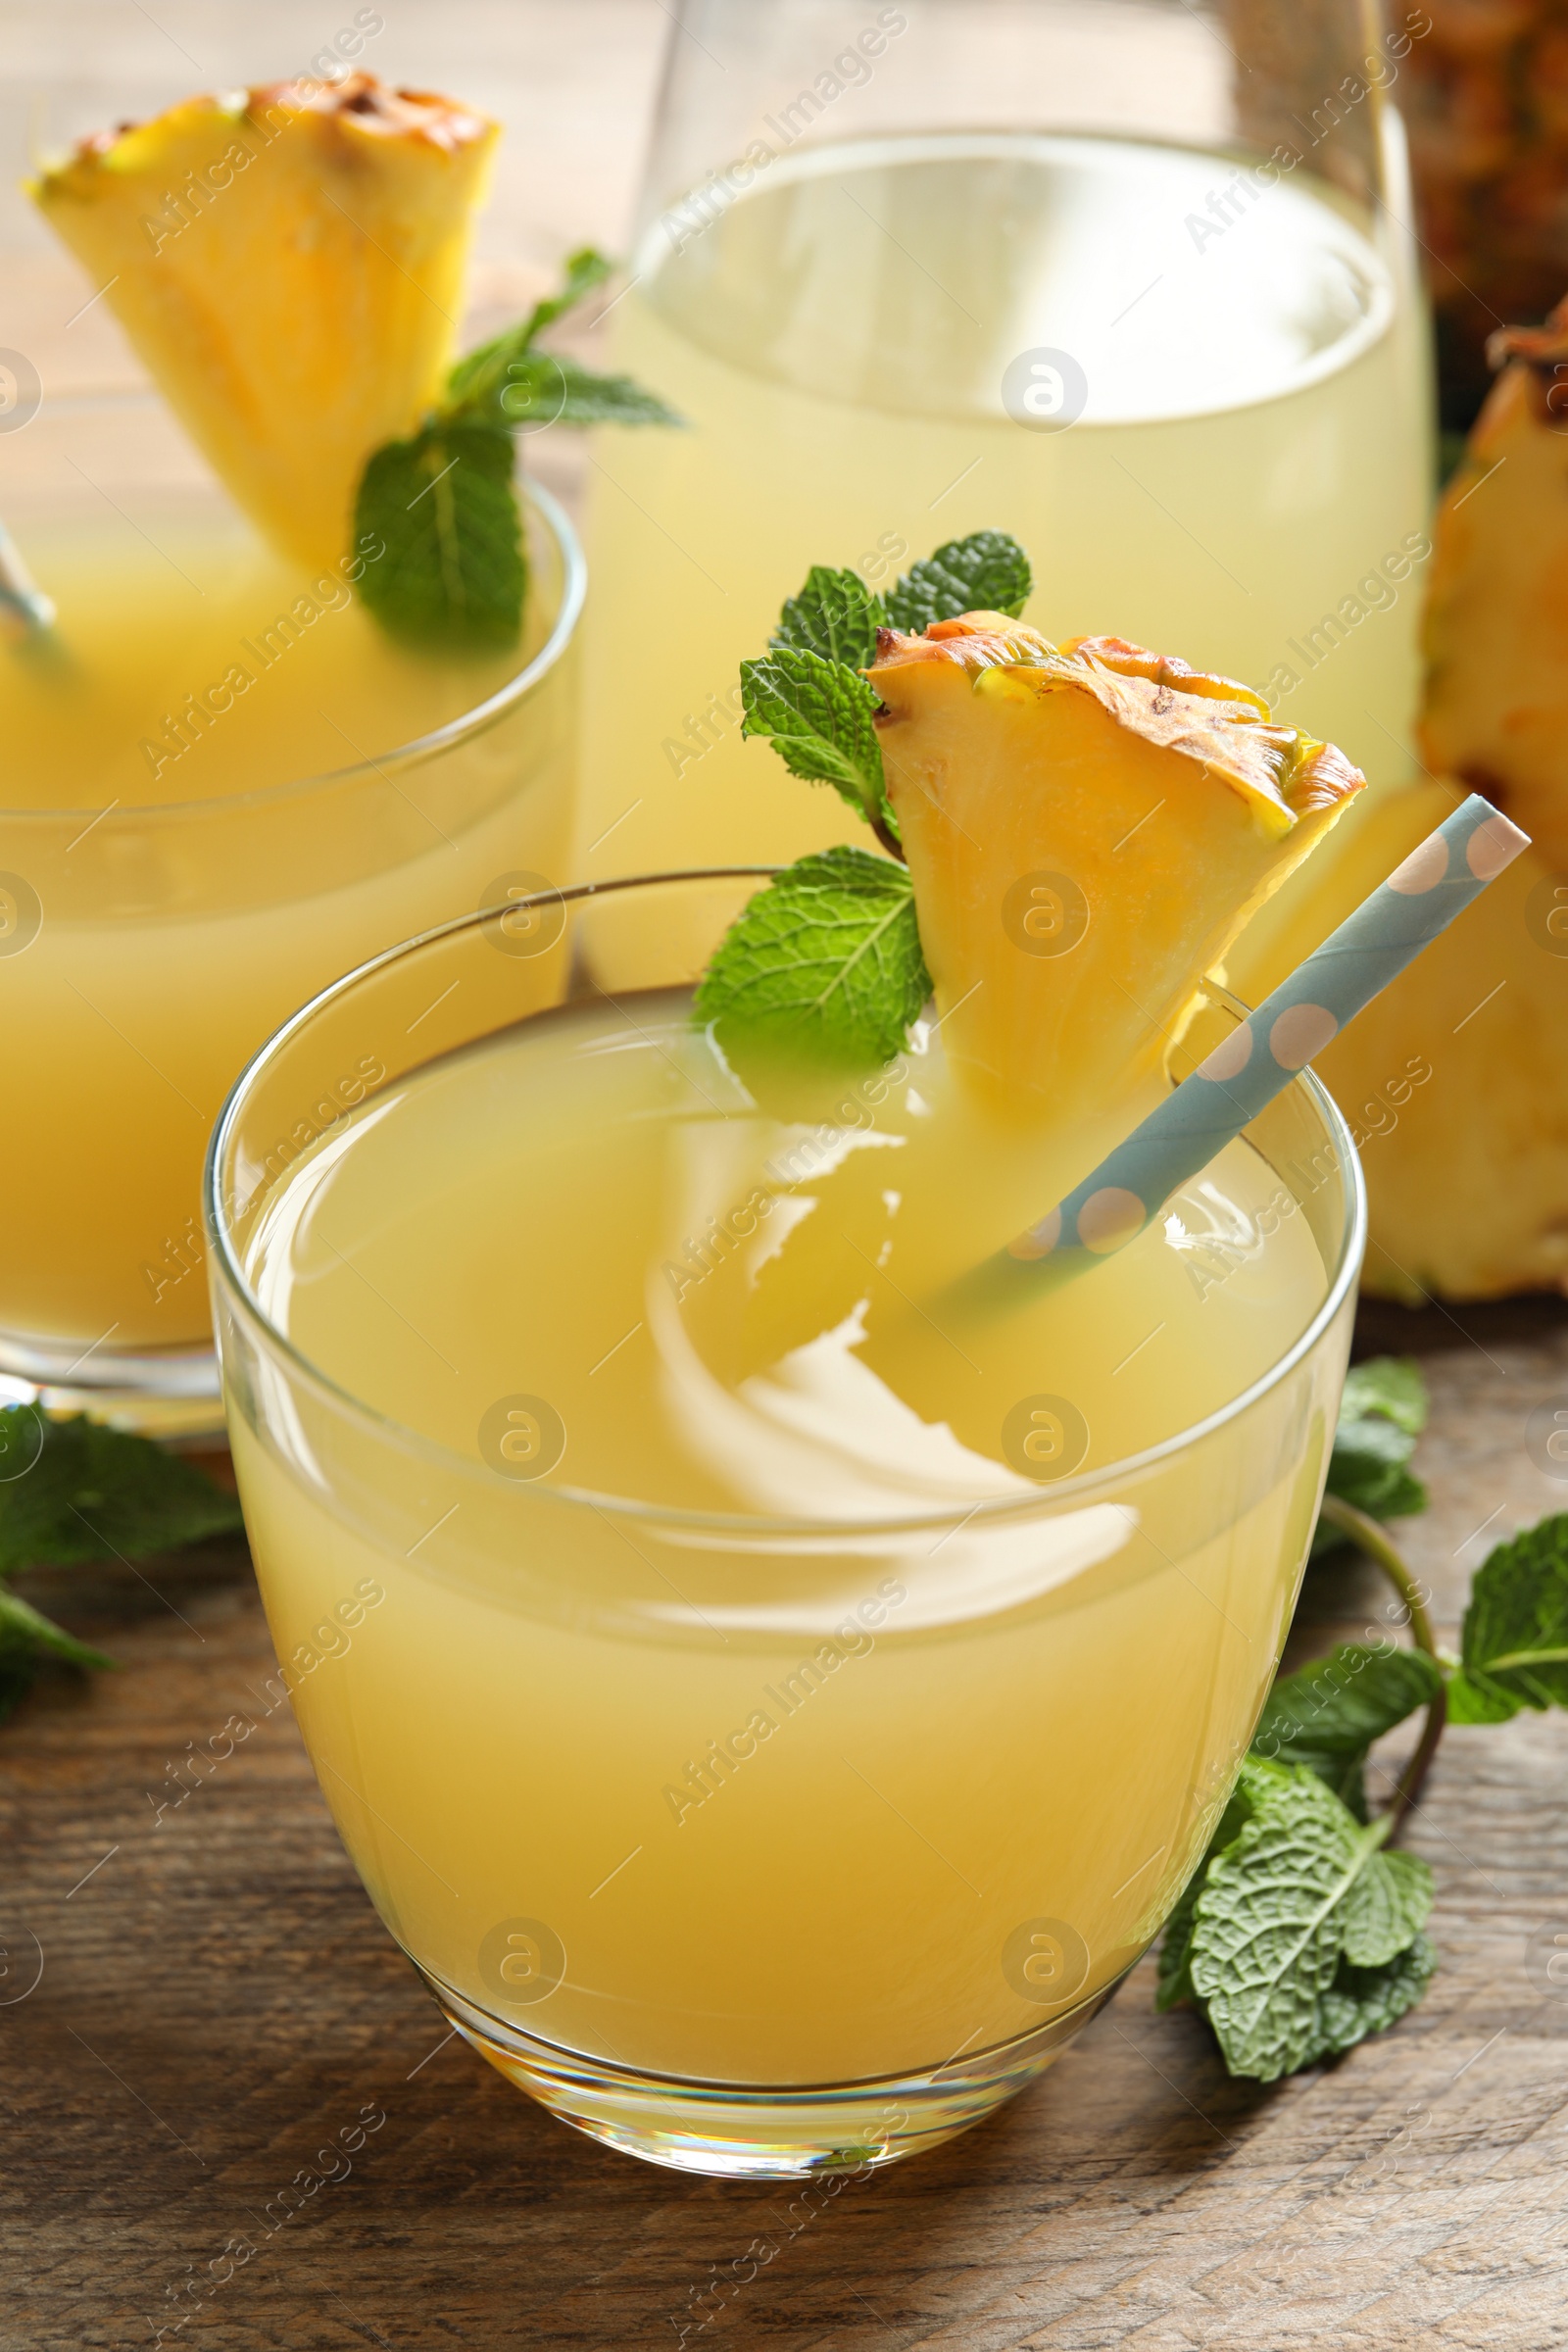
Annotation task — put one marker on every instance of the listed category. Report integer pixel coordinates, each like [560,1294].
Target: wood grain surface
[218,2006]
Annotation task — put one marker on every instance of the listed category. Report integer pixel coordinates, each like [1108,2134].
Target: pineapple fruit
[1495,712]
[287,263]
[1452,1079]
[1069,817]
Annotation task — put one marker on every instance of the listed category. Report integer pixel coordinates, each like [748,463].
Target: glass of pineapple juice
[771,1713]
[223,786]
[1133,279]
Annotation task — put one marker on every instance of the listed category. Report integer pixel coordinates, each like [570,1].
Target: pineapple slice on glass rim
[287,263]
[1087,829]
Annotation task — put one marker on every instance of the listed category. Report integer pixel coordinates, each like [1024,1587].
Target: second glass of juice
[771,1705]
[223,786]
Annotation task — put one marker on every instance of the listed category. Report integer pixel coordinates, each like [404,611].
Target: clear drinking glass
[1132,279]
[145,950]
[494,1673]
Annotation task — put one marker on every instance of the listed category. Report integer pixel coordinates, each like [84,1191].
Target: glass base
[742,2134]
[172,1393]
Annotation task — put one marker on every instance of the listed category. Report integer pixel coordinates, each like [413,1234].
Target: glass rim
[656,249]
[414,753]
[1049,1498]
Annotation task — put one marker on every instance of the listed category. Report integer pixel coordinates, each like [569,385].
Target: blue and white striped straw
[1259,1059]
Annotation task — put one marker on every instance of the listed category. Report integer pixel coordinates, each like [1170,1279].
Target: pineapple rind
[1222,725]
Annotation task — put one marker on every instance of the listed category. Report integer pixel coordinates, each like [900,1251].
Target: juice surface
[736,1310]
[1250,452]
[204,666]
[784,1802]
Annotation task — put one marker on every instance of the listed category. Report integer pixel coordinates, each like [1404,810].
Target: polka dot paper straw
[1249,1067]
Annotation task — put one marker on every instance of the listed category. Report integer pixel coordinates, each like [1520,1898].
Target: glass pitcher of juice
[1132,279]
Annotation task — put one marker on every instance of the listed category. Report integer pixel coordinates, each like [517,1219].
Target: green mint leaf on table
[1385,1909]
[86,1492]
[96,1494]
[1328,1715]
[835,617]
[1390,1384]
[824,964]
[452,575]
[1176,1945]
[1382,1414]
[1295,1917]
[1363,2001]
[444,505]
[1514,1648]
[820,718]
[988,572]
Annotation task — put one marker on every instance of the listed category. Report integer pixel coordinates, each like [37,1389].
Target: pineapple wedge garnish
[1087,829]
[288,264]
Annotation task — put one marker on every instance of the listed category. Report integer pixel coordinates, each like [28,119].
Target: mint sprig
[442,504]
[73,1491]
[1250,1941]
[824,965]
[861,979]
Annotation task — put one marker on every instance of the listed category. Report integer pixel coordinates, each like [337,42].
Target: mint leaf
[538,389]
[593,399]
[1327,1716]
[987,572]
[96,1494]
[84,1492]
[824,964]
[820,719]
[835,616]
[1173,1983]
[444,508]
[474,384]
[1513,1646]
[24,1628]
[1277,1913]
[1363,2001]
[586,270]
[1385,1909]
[1382,1412]
[1389,1385]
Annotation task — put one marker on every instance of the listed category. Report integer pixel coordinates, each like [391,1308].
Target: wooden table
[218,2002]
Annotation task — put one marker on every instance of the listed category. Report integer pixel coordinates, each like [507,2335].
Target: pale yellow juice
[1251,460]
[174,883]
[625,1757]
